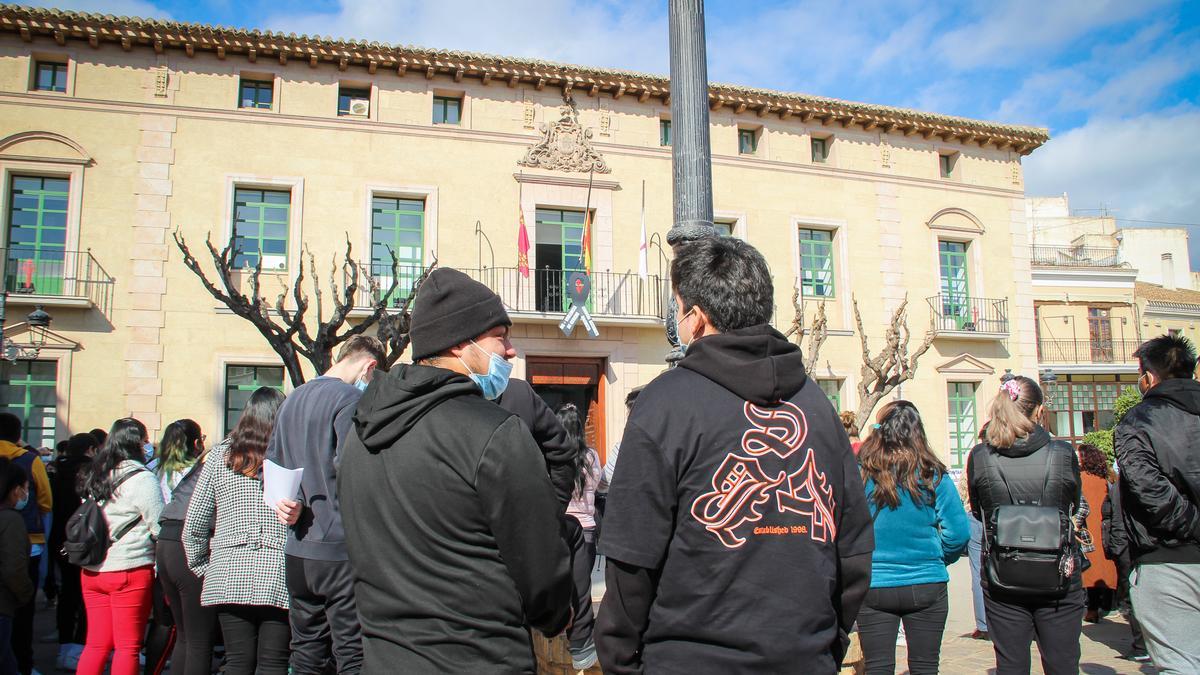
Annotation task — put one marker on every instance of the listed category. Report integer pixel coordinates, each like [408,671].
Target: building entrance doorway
[561,380]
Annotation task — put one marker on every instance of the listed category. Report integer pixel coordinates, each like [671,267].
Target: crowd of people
[445,512]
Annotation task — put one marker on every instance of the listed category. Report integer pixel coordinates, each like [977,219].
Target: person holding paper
[237,549]
[452,524]
[312,426]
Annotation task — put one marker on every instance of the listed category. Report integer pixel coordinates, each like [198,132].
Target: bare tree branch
[893,366]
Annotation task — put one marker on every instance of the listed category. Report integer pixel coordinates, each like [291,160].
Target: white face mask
[679,328]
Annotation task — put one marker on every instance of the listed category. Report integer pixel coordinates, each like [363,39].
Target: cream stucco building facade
[114,133]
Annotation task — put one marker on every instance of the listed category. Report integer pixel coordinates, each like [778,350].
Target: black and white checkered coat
[241,558]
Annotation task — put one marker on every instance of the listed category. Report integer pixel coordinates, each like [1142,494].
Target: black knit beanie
[452,308]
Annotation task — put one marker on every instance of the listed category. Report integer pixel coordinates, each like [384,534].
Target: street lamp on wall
[38,321]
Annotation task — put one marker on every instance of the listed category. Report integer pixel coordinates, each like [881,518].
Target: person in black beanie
[452,524]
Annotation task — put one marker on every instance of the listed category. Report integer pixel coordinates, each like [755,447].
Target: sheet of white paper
[280,483]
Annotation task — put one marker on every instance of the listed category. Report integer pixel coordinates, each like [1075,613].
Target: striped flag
[587,242]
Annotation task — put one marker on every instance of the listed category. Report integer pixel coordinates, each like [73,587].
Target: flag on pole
[587,242]
[642,248]
[522,245]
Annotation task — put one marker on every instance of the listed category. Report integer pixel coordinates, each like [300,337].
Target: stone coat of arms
[566,146]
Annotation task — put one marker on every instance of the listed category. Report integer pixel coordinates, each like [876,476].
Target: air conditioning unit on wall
[360,107]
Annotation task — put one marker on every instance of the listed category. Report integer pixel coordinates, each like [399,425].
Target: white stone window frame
[740,229]
[428,193]
[830,153]
[372,97]
[956,173]
[976,288]
[849,389]
[464,107]
[295,185]
[841,254]
[64,56]
[224,359]
[61,355]
[48,168]
[259,76]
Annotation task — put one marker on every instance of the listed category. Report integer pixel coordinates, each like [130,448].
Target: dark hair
[12,476]
[79,444]
[848,423]
[248,440]
[725,277]
[1011,415]
[177,450]
[1168,357]
[100,435]
[364,345]
[124,442]
[569,417]
[10,427]
[1093,461]
[897,456]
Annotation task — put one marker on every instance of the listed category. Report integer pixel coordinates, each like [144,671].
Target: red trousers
[118,606]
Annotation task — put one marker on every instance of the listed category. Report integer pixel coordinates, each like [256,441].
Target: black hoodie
[1158,455]
[739,496]
[452,527]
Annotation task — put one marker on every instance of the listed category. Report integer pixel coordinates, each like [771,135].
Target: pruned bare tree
[287,328]
[892,366]
[817,333]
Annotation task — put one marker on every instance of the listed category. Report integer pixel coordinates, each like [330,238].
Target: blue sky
[1116,82]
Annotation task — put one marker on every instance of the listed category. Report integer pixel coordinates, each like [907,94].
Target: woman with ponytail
[1020,464]
[920,528]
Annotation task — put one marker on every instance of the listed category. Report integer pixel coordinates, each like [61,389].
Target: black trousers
[922,608]
[256,639]
[71,617]
[22,632]
[194,623]
[323,612]
[1013,623]
[583,559]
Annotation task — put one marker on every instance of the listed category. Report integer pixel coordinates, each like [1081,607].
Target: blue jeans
[8,660]
[974,553]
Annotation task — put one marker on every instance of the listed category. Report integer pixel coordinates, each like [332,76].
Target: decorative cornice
[565,181]
[95,29]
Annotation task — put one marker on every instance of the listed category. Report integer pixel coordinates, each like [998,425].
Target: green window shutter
[37,235]
[955,287]
[570,224]
[260,227]
[747,141]
[241,382]
[962,421]
[833,391]
[256,94]
[397,226]
[816,263]
[447,110]
[664,133]
[820,150]
[50,76]
[28,389]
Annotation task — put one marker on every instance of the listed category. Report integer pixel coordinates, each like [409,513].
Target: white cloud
[138,8]
[1141,168]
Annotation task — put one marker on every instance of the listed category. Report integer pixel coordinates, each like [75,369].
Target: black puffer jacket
[1024,468]
[1158,454]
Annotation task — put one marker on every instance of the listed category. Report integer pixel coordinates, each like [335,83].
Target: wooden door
[578,379]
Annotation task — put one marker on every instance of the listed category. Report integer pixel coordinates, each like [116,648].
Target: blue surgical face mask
[496,380]
[361,384]
[148,451]
[678,324]
[20,506]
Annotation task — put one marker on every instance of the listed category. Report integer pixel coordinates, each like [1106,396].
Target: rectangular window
[447,110]
[833,391]
[260,227]
[820,150]
[37,235]
[241,382]
[28,389]
[725,227]
[50,76]
[256,94]
[354,102]
[946,163]
[952,268]
[664,133]
[558,253]
[816,263]
[747,141]
[397,226]
[962,421]
[1100,334]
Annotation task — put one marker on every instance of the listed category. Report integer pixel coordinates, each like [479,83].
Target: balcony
[968,318]
[55,278]
[616,297]
[1074,256]
[1087,351]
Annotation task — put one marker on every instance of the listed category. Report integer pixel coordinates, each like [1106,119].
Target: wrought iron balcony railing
[1074,256]
[40,270]
[1086,351]
[965,314]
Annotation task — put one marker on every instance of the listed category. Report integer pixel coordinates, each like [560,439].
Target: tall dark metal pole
[691,154]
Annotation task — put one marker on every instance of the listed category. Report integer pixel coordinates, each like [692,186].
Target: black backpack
[86,538]
[1028,546]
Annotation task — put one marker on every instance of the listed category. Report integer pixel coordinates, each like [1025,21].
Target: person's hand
[288,511]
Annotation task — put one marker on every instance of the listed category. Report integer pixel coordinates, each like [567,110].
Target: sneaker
[980,635]
[584,657]
[1140,656]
